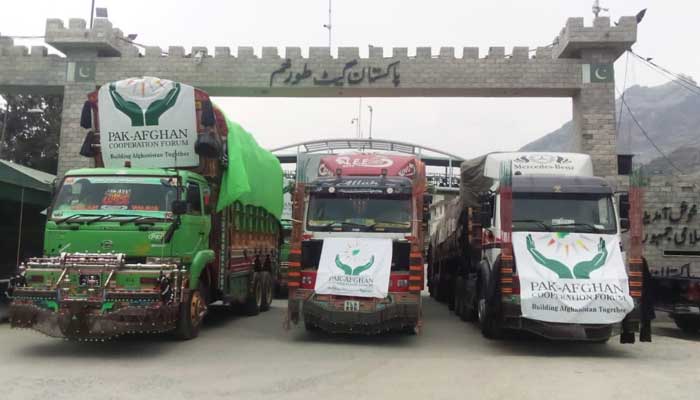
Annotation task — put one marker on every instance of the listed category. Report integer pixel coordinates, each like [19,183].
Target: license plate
[89,280]
[352,305]
[694,310]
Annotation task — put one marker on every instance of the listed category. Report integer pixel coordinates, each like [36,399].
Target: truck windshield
[350,212]
[116,193]
[574,212]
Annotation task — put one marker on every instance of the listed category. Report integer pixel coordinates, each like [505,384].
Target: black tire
[192,312]
[267,286]
[489,322]
[253,303]
[311,327]
[687,323]
[450,295]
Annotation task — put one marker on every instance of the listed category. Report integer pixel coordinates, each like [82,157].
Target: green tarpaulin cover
[254,175]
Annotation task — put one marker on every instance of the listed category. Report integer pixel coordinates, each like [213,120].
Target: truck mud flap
[392,318]
[79,321]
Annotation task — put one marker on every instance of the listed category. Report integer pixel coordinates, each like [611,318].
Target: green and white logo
[582,269]
[352,255]
[354,266]
[151,114]
[150,122]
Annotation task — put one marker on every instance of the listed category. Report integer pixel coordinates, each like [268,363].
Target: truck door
[193,234]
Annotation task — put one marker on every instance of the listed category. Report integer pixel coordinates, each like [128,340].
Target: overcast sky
[467,127]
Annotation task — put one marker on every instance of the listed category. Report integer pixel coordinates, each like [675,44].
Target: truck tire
[192,312]
[462,308]
[267,287]
[489,322]
[687,323]
[451,296]
[253,303]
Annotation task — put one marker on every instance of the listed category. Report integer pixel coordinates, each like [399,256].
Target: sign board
[571,277]
[540,163]
[149,121]
[368,164]
[354,267]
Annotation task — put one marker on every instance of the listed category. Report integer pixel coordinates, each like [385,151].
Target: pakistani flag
[595,73]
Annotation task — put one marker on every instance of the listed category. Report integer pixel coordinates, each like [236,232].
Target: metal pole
[330,27]
[4,129]
[19,234]
[371,112]
[359,119]
[92,13]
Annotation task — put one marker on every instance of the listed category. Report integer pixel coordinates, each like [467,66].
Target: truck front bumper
[86,320]
[374,318]
[512,319]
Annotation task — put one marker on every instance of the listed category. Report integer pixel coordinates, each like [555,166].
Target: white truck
[533,243]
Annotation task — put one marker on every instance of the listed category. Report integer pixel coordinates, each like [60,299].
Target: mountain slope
[668,113]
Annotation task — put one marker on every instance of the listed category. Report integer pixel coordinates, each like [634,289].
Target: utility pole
[359,118]
[92,13]
[328,25]
[371,112]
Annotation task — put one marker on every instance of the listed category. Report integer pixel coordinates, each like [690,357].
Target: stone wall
[672,225]
[102,54]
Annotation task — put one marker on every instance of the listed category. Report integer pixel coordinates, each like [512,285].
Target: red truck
[356,258]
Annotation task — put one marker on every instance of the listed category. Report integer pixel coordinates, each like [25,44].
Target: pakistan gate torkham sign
[578,65]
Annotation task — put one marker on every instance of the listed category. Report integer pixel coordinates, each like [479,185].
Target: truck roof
[560,184]
[478,175]
[368,164]
[533,163]
[128,172]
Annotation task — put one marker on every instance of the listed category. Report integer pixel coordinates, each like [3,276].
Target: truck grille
[311,255]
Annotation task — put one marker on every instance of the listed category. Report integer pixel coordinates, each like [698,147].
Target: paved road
[254,358]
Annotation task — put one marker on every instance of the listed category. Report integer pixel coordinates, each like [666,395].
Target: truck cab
[567,214]
[357,209]
[533,243]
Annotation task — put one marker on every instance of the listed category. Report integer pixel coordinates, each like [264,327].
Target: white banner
[149,121]
[571,277]
[354,267]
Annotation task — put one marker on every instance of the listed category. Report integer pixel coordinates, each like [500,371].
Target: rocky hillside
[670,115]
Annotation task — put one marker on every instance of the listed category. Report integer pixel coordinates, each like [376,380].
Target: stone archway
[578,65]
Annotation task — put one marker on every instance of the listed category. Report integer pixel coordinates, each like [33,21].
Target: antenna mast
[597,8]
[328,25]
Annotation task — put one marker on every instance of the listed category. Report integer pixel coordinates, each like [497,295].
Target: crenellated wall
[571,67]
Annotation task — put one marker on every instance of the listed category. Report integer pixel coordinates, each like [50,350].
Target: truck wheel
[462,309]
[687,323]
[254,301]
[267,284]
[451,300]
[192,312]
[311,327]
[488,321]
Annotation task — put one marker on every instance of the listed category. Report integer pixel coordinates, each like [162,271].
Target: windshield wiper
[593,227]
[403,224]
[535,221]
[143,219]
[71,218]
[342,224]
[99,218]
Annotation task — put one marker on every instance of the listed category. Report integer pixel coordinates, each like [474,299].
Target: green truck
[137,245]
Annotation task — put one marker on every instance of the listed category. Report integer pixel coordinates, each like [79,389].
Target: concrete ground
[254,358]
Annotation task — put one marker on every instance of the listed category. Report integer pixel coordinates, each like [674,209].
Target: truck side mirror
[486,211]
[624,205]
[485,217]
[178,207]
[624,224]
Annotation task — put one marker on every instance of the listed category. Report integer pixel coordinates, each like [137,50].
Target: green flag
[253,176]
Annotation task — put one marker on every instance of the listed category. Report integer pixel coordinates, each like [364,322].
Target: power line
[676,78]
[646,135]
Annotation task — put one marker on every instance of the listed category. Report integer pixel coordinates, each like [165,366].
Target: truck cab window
[194,199]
